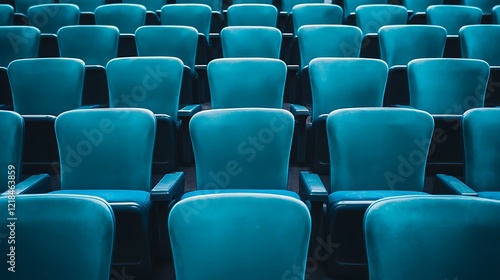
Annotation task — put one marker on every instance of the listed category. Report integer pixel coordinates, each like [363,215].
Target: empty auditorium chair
[22,6]
[11,151]
[6,15]
[246,82]
[87,8]
[218,20]
[49,229]
[418,9]
[198,16]
[399,44]
[351,5]
[18,42]
[480,127]
[374,153]
[252,15]
[43,88]
[370,18]
[176,41]
[108,153]
[465,229]
[251,41]
[335,83]
[244,236]
[485,5]
[323,41]
[460,88]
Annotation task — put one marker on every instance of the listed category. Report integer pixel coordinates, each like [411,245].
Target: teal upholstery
[252,15]
[478,41]
[420,6]
[94,44]
[215,5]
[287,6]
[453,17]
[22,6]
[11,147]
[485,5]
[251,41]
[49,230]
[18,42]
[351,5]
[6,15]
[198,16]
[495,14]
[46,86]
[151,5]
[430,237]
[87,6]
[127,17]
[238,2]
[246,82]
[371,17]
[276,192]
[176,41]
[243,148]
[315,13]
[328,41]
[49,18]
[240,236]
[459,87]
[370,195]
[399,44]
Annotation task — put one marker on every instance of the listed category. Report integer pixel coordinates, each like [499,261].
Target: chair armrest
[31,185]
[311,188]
[189,110]
[299,111]
[170,187]
[446,184]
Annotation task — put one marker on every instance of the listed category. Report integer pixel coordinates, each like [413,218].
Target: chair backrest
[215,5]
[351,5]
[127,17]
[238,2]
[485,5]
[479,42]
[153,83]
[251,41]
[315,13]
[198,16]
[465,229]
[22,6]
[46,86]
[419,6]
[49,230]
[371,17]
[87,6]
[378,148]
[252,15]
[328,41]
[399,44]
[6,15]
[151,5]
[243,148]
[176,41]
[495,14]
[18,42]
[246,82]
[94,44]
[287,6]
[460,86]
[259,236]
[480,129]
[345,83]
[11,148]
[453,17]
[106,148]
[49,18]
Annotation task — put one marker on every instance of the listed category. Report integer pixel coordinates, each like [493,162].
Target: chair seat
[114,196]
[490,195]
[205,192]
[339,196]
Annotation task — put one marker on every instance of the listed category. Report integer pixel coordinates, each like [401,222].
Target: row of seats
[376,153]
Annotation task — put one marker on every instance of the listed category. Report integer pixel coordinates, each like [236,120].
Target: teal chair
[485,5]
[335,83]
[246,82]
[460,88]
[49,229]
[373,154]
[218,20]
[18,42]
[477,41]
[86,6]
[11,152]
[126,17]
[323,41]
[399,44]
[43,88]
[245,236]
[6,15]
[108,153]
[22,6]
[351,5]
[251,41]
[403,234]
[252,15]
[495,14]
